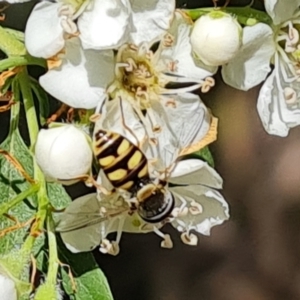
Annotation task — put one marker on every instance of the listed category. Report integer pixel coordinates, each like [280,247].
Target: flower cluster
[142,95]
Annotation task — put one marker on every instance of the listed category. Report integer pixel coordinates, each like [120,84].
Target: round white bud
[216,38]
[63,153]
[7,288]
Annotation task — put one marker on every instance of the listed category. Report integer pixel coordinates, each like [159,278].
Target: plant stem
[53,258]
[16,61]
[33,128]
[5,207]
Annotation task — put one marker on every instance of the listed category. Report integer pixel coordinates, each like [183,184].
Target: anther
[167,242]
[189,239]
[195,208]
[290,95]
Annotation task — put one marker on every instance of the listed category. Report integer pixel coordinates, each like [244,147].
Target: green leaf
[203,154]
[12,183]
[19,35]
[10,44]
[57,195]
[91,284]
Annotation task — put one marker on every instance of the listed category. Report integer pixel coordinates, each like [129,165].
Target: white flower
[216,38]
[63,153]
[86,78]
[7,288]
[81,78]
[100,24]
[197,205]
[278,101]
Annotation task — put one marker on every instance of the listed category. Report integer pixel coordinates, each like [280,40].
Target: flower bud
[63,152]
[7,288]
[216,38]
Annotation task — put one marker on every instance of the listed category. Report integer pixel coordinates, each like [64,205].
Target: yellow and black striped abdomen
[122,162]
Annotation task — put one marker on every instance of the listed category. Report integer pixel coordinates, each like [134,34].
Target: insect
[126,167]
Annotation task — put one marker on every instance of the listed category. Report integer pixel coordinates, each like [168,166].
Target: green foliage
[203,154]
[90,281]
[12,183]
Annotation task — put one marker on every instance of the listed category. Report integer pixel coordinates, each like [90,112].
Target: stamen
[207,84]
[171,102]
[69,26]
[167,242]
[290,96]
[168,40]
[66,10]
[189,239]
[195,208]
[285,58]
[131,65]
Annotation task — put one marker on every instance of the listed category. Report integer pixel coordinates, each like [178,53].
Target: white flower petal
[276,115]
[81,80]
[181,52]
[251,65]
[54,152]
[7,288]
[281,10]
[103,25]
[150,19]
[81,226]
[214,208]
[43,33]
[195,171]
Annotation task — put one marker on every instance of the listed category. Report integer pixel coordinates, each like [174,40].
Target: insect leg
[167,242]
[112,247]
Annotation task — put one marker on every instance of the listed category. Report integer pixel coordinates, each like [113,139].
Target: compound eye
[157,206]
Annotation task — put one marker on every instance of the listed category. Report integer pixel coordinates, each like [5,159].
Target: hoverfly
[126,167]
[134,180]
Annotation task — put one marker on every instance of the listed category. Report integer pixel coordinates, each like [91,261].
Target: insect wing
[82,225]
[182,124]
[80,213]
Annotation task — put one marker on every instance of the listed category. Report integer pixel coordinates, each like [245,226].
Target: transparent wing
[184,121]
[86,221]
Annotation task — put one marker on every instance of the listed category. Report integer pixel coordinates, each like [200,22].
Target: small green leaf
[57,195]
[19,35]
[203,154]
[10,44]
[91,284]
